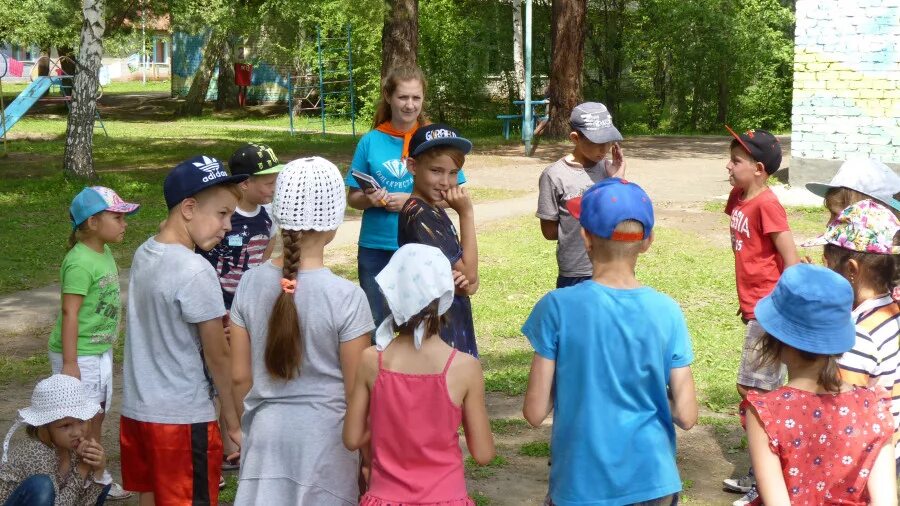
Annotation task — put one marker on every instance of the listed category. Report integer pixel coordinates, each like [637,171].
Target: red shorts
[179,463]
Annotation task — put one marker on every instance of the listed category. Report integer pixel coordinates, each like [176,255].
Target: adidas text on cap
[190,177]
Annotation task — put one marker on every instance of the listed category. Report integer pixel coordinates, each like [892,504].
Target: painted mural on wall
[846,99]
[267,84]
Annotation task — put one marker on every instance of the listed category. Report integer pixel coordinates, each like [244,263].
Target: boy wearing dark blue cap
[612,359]
[171,447]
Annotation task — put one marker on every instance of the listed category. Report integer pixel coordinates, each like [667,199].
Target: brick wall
[846,99]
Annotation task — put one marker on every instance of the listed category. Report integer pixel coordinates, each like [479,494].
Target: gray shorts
[750,374]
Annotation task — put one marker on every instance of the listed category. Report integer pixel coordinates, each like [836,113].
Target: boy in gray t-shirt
[593,135]
[169,437]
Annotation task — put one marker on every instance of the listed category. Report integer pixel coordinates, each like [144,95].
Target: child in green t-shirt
[88,324]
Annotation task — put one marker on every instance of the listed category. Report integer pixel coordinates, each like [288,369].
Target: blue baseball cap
[190,177]
[809,309]
[610,202]
[94,199]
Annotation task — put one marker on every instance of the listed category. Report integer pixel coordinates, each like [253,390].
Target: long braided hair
[284,343]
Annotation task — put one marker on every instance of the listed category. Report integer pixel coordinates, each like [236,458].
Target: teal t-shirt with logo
[379,155]
[94,276]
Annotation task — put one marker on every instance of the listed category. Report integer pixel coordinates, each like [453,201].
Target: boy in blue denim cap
[612,358]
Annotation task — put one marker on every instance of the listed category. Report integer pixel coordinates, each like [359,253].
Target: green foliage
[696,65]
[535,449]
[478,472]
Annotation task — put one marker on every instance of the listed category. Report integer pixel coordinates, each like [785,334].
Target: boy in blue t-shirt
[619,356]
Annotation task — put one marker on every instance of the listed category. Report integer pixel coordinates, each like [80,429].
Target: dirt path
[680,174]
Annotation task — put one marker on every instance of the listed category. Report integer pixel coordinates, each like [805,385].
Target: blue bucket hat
[809,309]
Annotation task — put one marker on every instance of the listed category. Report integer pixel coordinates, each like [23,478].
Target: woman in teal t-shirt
[382,154]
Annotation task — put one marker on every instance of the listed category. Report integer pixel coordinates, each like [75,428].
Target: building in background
[846,100]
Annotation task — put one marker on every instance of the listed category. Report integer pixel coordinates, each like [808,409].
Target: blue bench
[507,120]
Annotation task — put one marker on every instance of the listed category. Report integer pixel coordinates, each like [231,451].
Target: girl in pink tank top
[411,396]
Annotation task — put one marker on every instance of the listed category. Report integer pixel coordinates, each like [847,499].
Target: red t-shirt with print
[757,263]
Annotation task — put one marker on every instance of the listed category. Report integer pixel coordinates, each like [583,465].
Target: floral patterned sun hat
[866,227]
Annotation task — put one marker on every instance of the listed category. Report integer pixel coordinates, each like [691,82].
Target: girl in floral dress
[817,440]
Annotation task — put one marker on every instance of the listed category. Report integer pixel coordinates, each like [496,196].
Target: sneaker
[749,497]
[117,493]
[740,485]
[222,483]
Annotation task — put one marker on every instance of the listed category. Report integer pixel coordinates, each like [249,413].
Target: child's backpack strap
[449,360]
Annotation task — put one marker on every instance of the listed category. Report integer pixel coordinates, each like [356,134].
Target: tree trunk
[228,91]
[400,35]
[567,63]
[518,51]
[193,103]
[79,157]
[43,66]
[722,110]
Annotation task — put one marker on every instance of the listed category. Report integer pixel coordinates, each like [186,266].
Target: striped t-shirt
[875,358]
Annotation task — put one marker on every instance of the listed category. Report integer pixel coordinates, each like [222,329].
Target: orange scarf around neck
[389,129]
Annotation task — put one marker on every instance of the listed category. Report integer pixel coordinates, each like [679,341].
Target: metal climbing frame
[331,80]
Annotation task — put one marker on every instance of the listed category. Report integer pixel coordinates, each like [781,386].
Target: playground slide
[24,101]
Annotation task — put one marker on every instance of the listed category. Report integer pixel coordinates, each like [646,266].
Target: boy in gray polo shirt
[593,136]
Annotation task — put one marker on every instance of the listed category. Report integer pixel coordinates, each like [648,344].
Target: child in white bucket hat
[57,464]
[297,332]
[413,391]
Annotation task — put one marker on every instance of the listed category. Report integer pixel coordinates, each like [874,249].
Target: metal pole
[527,123]
[143,46]
[350,69]
[321,76]
[3,111]
[291,101]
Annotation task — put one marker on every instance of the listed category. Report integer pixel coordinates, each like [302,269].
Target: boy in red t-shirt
[763,247]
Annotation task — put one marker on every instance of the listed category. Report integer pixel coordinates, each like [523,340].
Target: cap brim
[608,134]
[271,170]
[574,207]
[125,207]
[819,189]
[738,138]
[818,241]
[460,143]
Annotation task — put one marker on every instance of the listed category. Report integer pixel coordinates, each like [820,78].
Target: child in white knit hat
[413,391]
[57,464]
[297,333]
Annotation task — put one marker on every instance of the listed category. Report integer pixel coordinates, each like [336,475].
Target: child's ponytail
[283,343]
[73,240]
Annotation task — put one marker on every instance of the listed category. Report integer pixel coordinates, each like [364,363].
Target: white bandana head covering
[309,195]
[415,276]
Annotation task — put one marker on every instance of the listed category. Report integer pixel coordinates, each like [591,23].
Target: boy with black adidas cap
[763,247]
[593,136]
[612,360]
[171,447]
